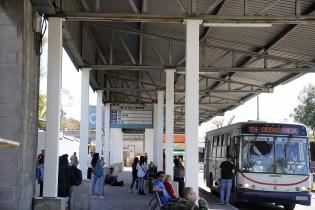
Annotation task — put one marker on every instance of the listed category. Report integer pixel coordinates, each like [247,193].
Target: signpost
[131,116]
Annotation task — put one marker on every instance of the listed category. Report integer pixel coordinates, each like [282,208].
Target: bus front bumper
[303,198]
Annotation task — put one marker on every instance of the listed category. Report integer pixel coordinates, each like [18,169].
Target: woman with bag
[141,173]
[97,177]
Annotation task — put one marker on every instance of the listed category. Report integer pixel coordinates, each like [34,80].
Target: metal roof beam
[181,6]
[126,17]
[182,91]
[213,6]
[203,70]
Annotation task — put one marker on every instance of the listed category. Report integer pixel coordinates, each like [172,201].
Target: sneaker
[221,203]
[101,196]
[131,191]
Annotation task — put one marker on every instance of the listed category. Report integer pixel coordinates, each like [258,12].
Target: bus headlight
[246,185]
[303,188]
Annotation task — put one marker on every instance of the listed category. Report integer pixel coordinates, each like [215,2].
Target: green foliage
[69,124]
[42,106]
[305,112]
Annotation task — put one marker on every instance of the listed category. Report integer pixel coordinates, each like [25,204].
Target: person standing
[74,160]
[141,173]
[40,173]
[89,170]
[97,177]
[134,174]
[65,177]
[227,170]
[179,175]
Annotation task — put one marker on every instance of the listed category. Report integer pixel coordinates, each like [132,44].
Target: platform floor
[119,198]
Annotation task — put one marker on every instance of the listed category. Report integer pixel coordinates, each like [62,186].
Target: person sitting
[169,187]
[160,188]
[111,179]
[188,201]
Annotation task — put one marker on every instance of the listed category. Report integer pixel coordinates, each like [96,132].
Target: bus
[312,152]
[271,161]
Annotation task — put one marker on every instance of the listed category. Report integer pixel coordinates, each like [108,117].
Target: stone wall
[19,78]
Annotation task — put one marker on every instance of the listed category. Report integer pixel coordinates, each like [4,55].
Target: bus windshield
[270,154]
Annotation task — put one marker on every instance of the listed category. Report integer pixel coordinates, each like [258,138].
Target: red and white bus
[272,162]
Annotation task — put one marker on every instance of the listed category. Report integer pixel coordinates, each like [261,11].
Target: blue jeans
[225,190]
[141,183]
[97,185]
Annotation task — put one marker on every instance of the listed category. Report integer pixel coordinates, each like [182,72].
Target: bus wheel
[289,206]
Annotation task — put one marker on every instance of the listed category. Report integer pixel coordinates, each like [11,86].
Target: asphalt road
[255,206]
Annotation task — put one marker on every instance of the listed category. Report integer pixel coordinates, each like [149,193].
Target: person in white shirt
[74,160]
[141,173]
[89,160]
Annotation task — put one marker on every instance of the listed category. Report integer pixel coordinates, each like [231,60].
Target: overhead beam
[126,17]
[267,7]
[181,6]
[203,70]
[182,91]
[212,6]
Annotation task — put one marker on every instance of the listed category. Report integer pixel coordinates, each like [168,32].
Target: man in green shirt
[188,201]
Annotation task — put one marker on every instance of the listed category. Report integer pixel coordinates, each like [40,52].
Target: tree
[69,124]
[219,121]
[305,112]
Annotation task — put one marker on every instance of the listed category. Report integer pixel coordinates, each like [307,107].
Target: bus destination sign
[280,129]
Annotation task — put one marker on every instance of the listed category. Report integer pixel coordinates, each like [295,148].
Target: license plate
[301,198]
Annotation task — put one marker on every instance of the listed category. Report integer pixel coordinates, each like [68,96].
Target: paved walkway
[119,198]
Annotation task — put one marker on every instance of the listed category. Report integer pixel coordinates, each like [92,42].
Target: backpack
[98,170]
[77,176]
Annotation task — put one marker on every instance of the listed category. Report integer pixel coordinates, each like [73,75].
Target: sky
[274,107]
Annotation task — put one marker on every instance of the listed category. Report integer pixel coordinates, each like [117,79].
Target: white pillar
[99,119]
[107,134]
[84,121]
[148,143]
[169,121]
[54,71]
[116,145]
[159,131]
[192,103]
[155,128]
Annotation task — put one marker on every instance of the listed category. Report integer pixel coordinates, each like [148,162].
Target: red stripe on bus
[272,184]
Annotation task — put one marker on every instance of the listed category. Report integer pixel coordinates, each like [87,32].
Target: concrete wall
[19,73]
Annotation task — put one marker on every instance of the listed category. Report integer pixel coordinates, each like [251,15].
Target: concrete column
[148,143]
[116,145]
[192,103]
[159,131]
[107,134]
[84,121]
[54,72]
[169,121]
[99,119]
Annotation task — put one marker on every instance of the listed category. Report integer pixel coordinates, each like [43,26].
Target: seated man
[111,179]
[160,188]
[188,201]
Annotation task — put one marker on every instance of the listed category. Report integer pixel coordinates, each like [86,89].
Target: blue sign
[92,117]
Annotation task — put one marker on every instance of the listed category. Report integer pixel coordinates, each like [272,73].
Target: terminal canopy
[246,48]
